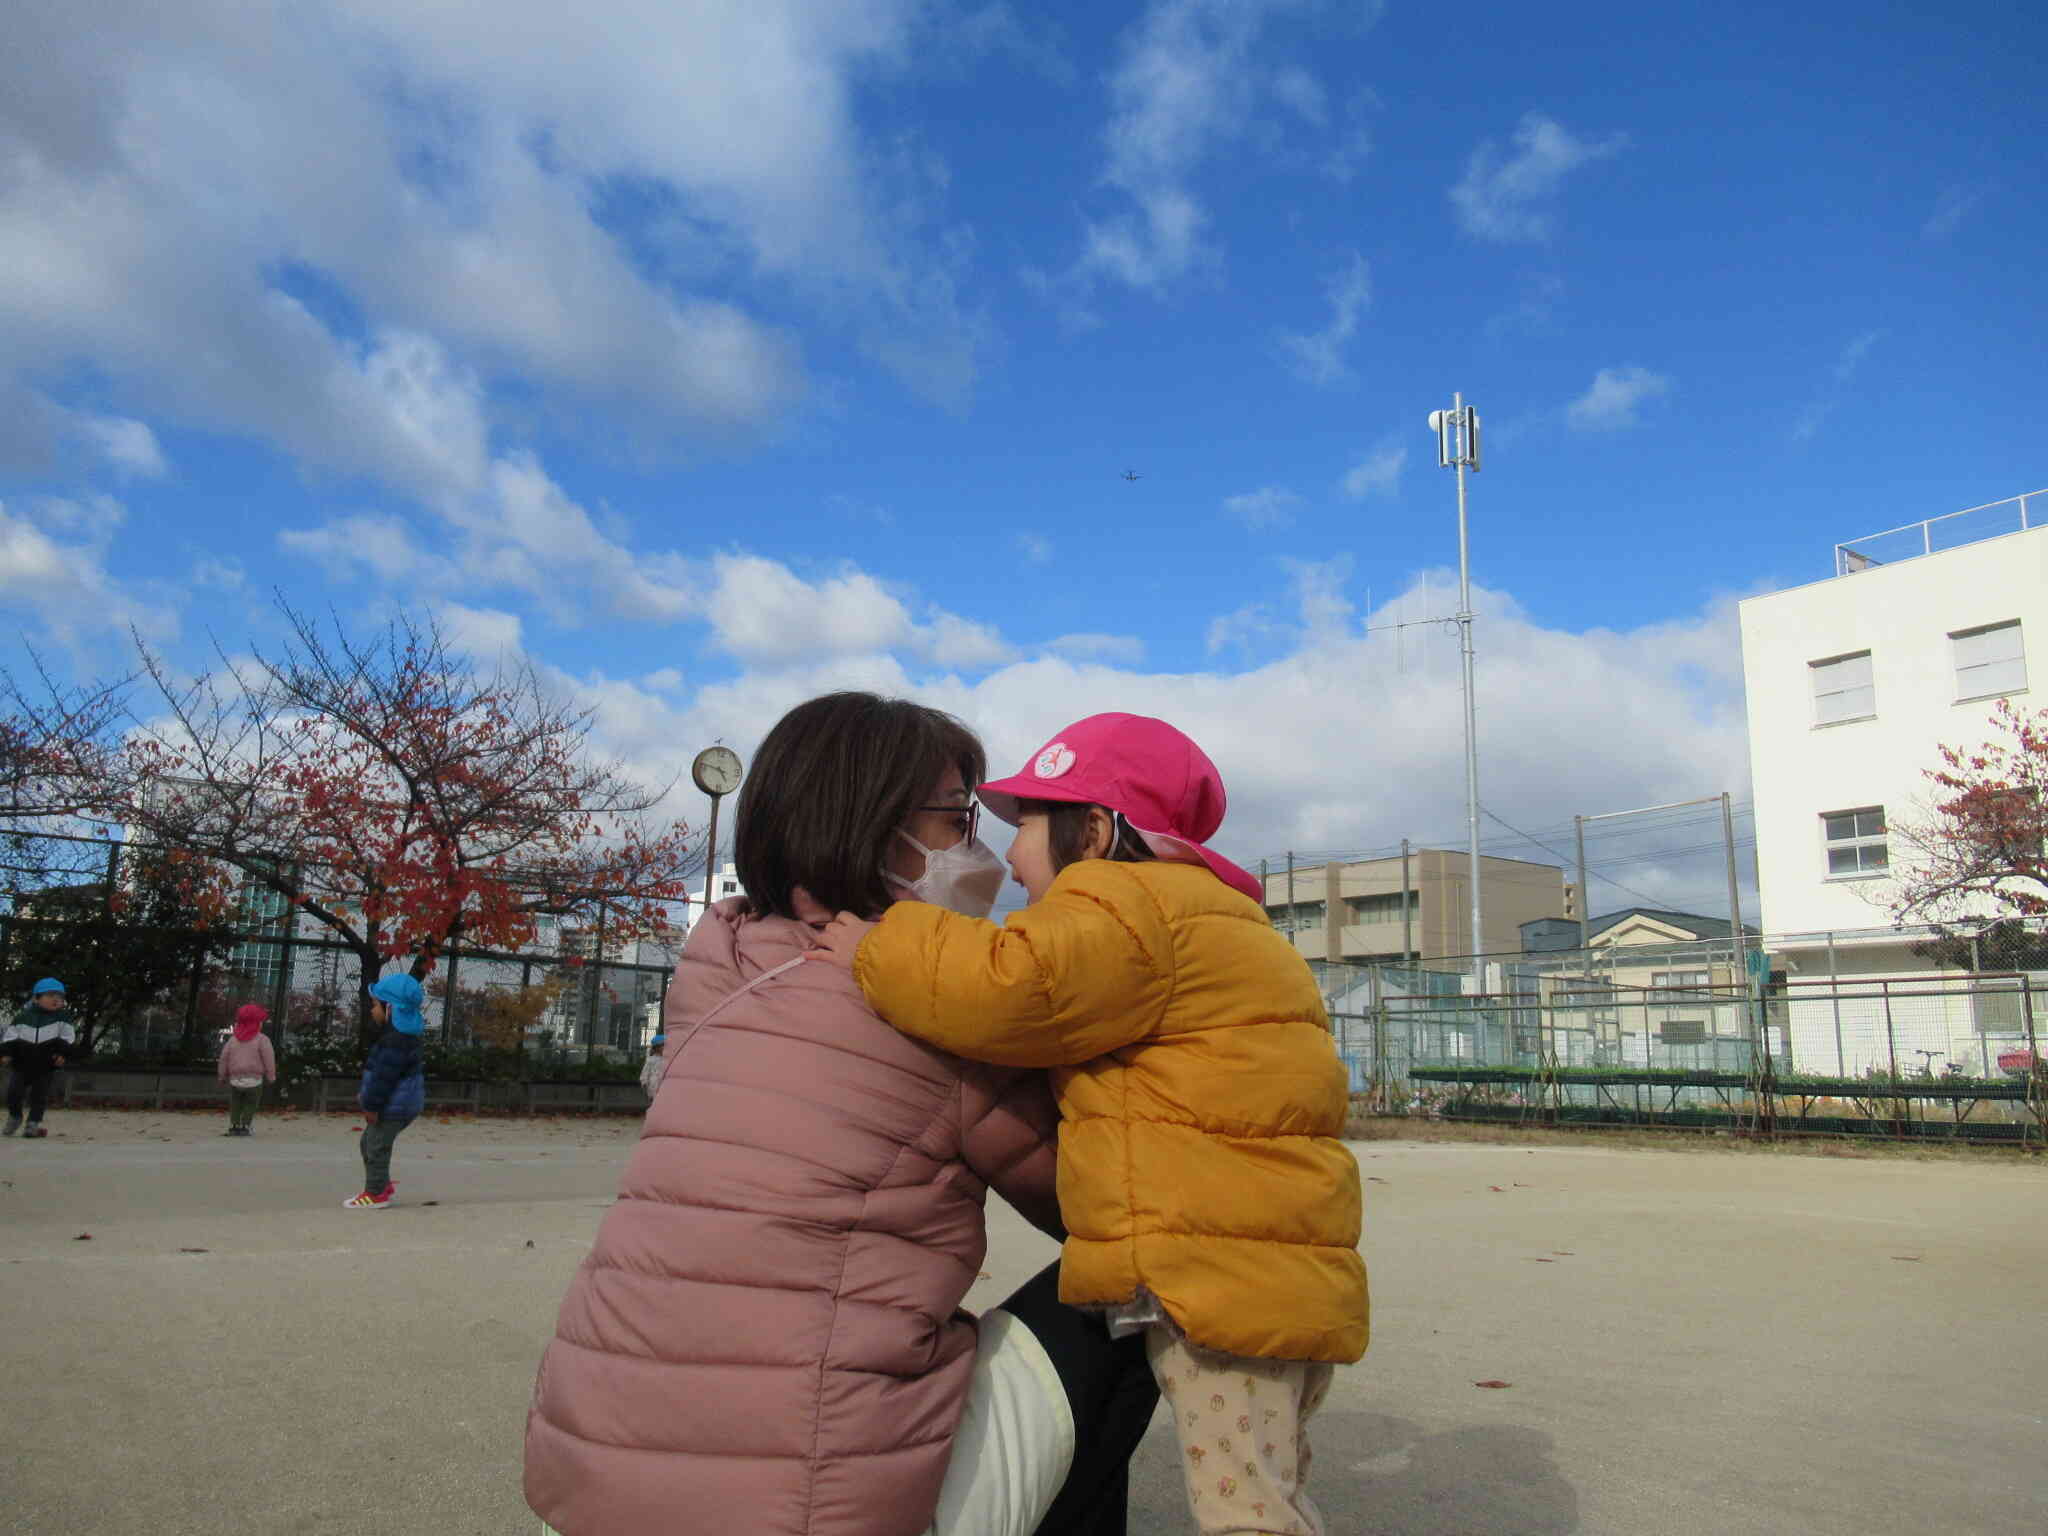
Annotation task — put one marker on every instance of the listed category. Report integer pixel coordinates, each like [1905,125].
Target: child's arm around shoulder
[1080,973]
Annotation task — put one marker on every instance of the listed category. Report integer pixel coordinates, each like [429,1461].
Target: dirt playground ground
[198,1339]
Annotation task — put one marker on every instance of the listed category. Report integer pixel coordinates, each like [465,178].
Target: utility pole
[1457,447]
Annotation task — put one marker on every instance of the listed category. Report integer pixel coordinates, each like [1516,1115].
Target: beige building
[1355,911]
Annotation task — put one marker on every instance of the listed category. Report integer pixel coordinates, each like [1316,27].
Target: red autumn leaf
[1493,1383]
[83,1237]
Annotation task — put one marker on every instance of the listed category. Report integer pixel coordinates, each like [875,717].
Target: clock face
[716,770]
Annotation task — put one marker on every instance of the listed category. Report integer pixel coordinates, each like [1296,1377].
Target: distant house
[1648,980]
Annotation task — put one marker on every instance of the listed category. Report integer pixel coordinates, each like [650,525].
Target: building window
[1382,909]
[1305,915]
[1855,842]
[1990,660]
[1843,689]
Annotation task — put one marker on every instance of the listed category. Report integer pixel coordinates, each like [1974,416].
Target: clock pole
[711,852]
[717,772]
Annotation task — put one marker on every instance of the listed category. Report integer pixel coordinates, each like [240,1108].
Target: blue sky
[712,355]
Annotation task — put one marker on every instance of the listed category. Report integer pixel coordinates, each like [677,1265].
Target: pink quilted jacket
[766,1336]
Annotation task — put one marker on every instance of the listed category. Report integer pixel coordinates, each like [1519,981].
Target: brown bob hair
[829,787]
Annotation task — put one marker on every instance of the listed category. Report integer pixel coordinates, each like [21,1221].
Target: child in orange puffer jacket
[1208,1200]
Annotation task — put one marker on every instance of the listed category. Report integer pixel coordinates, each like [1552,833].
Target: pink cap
[1151,774]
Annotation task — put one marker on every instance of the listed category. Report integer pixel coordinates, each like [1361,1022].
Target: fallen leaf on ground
[1907,1258]
[529,1242]
[430,1202]
[1563,1253]
[1373,1178]
[1543,1261]
[1525,1186]
[195,1250]
[1496,1189]
[1493,1383]
[83,1237]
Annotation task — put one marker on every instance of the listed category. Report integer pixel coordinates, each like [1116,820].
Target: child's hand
[840,940]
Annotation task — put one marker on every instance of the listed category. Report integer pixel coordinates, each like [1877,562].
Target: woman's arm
[1009,1135]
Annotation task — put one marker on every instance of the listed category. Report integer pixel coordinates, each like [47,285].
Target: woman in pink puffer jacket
[767,1335]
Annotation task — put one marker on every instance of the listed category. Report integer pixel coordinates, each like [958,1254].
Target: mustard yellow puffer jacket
[1200,1093]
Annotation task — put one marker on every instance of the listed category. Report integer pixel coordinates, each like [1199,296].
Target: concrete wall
[1903,614]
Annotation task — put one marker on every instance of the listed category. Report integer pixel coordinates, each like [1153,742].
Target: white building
[1854,685]
[723,884]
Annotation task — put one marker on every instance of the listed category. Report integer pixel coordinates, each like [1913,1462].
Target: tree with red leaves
[401,798]
[1982,855]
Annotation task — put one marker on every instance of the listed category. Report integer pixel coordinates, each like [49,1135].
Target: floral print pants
[1243,1428]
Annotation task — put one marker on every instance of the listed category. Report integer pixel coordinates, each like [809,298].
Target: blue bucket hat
[403,993]
[659,1039]
[47,984]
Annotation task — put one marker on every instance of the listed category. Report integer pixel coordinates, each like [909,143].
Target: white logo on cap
[1054,761]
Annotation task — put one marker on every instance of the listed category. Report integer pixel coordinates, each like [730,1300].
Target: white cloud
[128,445]
[223,573]
[484,634]
[1379,473]
[1512,197]
[963,645]
[1270,506]
[382,545]
[531,535]
[1319,356]
[542,201]
[1955,204]
[1128,649]
[764,613]
[1848,362]
[1611,401]
[53,571]
[1853,352]
[1328,736]
[1303,94]
[1240,630]
[1185,83]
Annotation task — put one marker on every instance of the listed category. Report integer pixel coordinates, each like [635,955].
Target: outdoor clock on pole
[717,772]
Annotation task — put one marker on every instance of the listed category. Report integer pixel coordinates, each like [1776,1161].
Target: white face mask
[965,878]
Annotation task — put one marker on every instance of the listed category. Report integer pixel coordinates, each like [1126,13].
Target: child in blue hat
[650,1069]
[34,1046]
[394,1087]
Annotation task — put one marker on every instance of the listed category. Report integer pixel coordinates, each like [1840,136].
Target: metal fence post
[2035,1080]
[1835,996]
[448,1008]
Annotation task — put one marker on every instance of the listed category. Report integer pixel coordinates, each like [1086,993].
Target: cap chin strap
[1164,847]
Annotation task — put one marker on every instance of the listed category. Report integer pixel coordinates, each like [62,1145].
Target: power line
[1657,901]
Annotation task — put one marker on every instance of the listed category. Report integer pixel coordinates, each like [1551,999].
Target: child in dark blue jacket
[394,1087]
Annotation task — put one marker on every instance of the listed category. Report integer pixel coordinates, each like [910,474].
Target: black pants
[32,1088]
[1112,1394]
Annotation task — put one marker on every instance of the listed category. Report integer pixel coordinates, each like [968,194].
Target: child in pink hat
[247,1062]
[1207,1198]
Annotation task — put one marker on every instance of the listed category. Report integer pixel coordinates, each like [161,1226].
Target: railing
[2015,514]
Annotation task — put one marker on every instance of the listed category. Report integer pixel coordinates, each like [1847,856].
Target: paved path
[1719,1343]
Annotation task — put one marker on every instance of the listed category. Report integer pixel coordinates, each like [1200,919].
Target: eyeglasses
[971,810]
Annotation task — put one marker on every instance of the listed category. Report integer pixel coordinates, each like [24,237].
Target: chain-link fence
[151,993]
[1902,1033]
